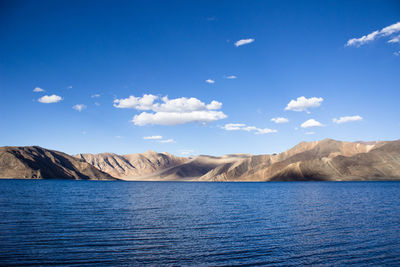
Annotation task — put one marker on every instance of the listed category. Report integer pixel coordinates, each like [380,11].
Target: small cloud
[230,77]
[95,96]
[395,39]
[118,137]
[210,81]
[79,107]
[244,127]
[396,53]
[167,141]
[48,99]
[84,132]
[186,152]
[384,32]
[69,87]
[347,119]
[139,103]
[311,123]
[153,137]
[213,18]
[97,103]
[243,42]
[280,120]
[303,104]
[310,133]
[38,90]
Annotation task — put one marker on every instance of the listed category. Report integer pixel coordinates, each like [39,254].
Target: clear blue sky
[104,56]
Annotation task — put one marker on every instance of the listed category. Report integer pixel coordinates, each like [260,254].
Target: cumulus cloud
[311,123]
[153,137]
[385,32]
[95,95]
[139,103]
[174,118]
[79,107]
[38,90]
[303,104]
[210,81]
[48,99]
[244,127]
[280,120]
[165,111]
[347,119]
[244,41]
[230,77]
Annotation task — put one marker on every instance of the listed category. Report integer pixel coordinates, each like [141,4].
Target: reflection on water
[172,223]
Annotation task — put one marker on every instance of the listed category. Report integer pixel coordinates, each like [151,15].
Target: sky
[197,77]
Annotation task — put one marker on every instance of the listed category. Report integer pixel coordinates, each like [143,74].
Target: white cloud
[97,103]
[311,123]
[397,53]
[310,133]
[139,103]
[186,151]
[230,77]
[233,126]
[174,118]
[79,107]
[347,119]
[395,39]
[118,137]
[95,95]
[302,103]
[387,31]
[69,87]
[38,90]
[244,41]
[243,127]
[214,105]
[280,120]
[47,99]
[171,111]
[210,81]
[167,141]
[158,138]
[153,137]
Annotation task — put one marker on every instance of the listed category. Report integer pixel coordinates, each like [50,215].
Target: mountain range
[325,160]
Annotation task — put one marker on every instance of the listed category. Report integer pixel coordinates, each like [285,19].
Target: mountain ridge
[327,160]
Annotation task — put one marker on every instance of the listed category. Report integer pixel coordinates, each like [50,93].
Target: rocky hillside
[38,163]
[132,165]
[321,160]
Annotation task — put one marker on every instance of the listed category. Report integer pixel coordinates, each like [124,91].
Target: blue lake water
[92,223]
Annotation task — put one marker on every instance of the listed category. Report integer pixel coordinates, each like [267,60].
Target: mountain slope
[36,163]
[322,160]
[132,165]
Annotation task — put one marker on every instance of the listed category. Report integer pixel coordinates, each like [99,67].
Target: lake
[92,223]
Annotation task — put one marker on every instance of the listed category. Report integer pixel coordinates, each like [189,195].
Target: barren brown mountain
[132,165]
[327,159]
[39,163]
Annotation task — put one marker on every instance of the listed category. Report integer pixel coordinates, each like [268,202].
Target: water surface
[188,223]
